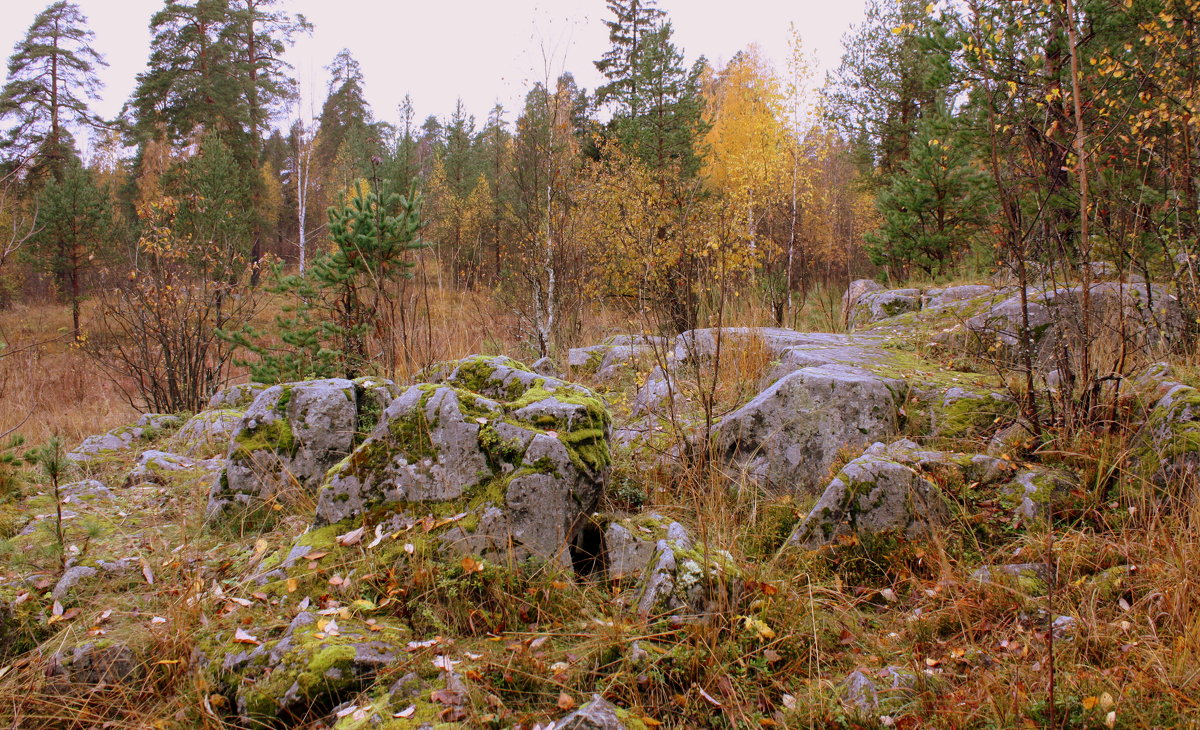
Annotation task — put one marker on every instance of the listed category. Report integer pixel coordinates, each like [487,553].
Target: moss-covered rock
[291,435]
[872,496]
[524,455]
[317,663]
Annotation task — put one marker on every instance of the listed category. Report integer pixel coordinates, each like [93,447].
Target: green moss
[968,416]
[274,436]
[478,375]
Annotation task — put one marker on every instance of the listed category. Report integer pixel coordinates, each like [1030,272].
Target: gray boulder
[598,714]
[878,305]
[526,456]
[873,495]
[1146,315]
[125,438]
[788,436]
[855,291]
[157,467]
[667,572]
[236,397]
[208,433]
[292,434]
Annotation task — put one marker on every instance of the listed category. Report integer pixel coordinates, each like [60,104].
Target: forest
[724,395]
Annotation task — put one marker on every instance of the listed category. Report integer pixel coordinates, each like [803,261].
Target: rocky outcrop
[873,495]
[788,436]
[316,662]
[667,571]
[525,456]
[291,435]
[598,714]
[877,305]
[1170,453]
[208,433]
[123,439]
[157,467]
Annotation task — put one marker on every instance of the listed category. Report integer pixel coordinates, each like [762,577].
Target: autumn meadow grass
[780,641]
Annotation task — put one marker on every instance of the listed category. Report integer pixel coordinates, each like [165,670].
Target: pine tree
[633,20]
[664,133]
[344,299]
[51,79]
[74,222]
[935,205]
[347,139]
[890,72]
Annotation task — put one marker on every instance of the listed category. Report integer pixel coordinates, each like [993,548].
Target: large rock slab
[1145,315]
[525,456]
[208,433]
[291,435]
[878,305]
[789,435]
[873,495]
[120,440]
[667,571]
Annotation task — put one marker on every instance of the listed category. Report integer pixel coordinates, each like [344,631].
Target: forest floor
[778,651]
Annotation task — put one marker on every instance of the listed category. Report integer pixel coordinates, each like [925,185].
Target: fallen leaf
[292,585]
[1090,702]
[445,663]
[241,636]
[470,565]
[453,714]
[347,711]
[1110,720]
[565,702]
[446,697]
[147,573]
[378,536]
[351,538]
[316,556]
[406,712]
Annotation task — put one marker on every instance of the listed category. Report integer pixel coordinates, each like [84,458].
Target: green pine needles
[346,298]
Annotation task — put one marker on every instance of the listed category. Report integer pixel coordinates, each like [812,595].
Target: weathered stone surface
[612,351]
[546,366]
[122,439]
[313,663]
[235,397]
[71,577]
[873,691]
[855,291]
[1146,315]
[788,436]
[93,665]
[86,490]
[873,495]
[935,298]
[598,714]
[1170,453]
[878,305]
[208,433]
[292,434]
[154,467]
[669,573]
[525,455]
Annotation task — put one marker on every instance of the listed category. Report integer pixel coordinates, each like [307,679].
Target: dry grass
[979,652]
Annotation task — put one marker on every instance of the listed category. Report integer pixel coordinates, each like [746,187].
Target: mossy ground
[774,651]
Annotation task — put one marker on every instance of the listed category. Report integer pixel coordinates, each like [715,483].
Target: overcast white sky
[480,50]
